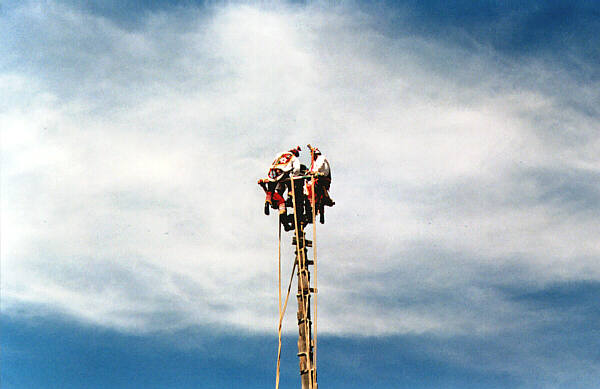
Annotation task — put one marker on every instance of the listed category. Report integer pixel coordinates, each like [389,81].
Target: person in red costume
[284,165]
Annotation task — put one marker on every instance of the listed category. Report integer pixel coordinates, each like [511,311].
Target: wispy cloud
[130,157]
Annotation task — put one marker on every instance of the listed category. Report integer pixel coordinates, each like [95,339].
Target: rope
[314,207]
[279,262]
[280,324]
[279,307]
[314,259]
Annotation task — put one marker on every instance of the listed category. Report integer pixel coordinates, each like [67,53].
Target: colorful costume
[286,164]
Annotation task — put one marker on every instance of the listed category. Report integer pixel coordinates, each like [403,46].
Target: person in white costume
[320,166]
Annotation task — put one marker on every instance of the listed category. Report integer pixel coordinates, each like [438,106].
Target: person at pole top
[284,165]
[320,167]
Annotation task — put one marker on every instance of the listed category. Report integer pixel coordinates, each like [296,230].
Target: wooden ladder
[306,344]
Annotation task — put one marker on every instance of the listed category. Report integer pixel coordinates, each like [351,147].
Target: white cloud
[130,159]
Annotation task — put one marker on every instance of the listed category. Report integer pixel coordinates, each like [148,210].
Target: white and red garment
[283,165]
[322,182]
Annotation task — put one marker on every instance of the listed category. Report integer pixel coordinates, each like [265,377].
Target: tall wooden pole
[305,337]
[308,373]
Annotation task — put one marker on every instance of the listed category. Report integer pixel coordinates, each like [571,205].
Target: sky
[463,138]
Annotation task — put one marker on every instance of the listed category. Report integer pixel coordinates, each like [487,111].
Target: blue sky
[462,252]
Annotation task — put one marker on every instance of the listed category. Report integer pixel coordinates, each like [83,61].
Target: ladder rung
[307,370]
[304,293]
[307,243]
